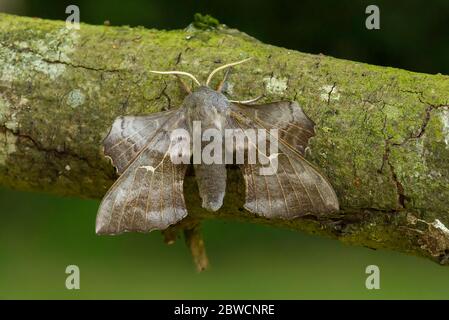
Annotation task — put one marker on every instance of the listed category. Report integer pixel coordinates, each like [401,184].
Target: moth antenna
[178,73]
[247,101]
[224,67]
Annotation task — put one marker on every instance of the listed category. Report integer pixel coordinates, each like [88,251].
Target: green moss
[204,22]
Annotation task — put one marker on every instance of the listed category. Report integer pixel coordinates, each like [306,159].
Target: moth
[148,195]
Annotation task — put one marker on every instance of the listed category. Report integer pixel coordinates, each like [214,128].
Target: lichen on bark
[382,134]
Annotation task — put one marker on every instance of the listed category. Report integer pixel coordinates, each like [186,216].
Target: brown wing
[294,126]
[129,135]
[296,188]
[149,194]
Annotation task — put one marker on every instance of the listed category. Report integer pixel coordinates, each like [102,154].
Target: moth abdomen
[211,180]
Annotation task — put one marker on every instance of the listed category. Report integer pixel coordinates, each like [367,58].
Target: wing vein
[283,193]
[138,197]
[126,202]
[293,188]
[147,222]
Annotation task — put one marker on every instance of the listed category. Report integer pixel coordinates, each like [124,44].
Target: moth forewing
[149,194]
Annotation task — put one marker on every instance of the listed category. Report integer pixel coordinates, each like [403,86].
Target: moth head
[205,99]
[209,78]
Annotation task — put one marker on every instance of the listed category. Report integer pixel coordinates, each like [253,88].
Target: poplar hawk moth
[148,195]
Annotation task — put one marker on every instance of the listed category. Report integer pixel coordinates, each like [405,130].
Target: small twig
[195,242]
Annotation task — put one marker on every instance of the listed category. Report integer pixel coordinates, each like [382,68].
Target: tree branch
[382,133]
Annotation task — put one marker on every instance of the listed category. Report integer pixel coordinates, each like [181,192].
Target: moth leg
[184,87]
[222,84]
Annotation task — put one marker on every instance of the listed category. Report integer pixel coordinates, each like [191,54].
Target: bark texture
[382,134]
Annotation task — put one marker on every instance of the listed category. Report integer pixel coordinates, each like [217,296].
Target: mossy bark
[382,134]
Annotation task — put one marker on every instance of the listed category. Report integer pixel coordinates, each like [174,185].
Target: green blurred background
[40,234]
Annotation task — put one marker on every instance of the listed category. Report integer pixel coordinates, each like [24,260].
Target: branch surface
[382,134]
